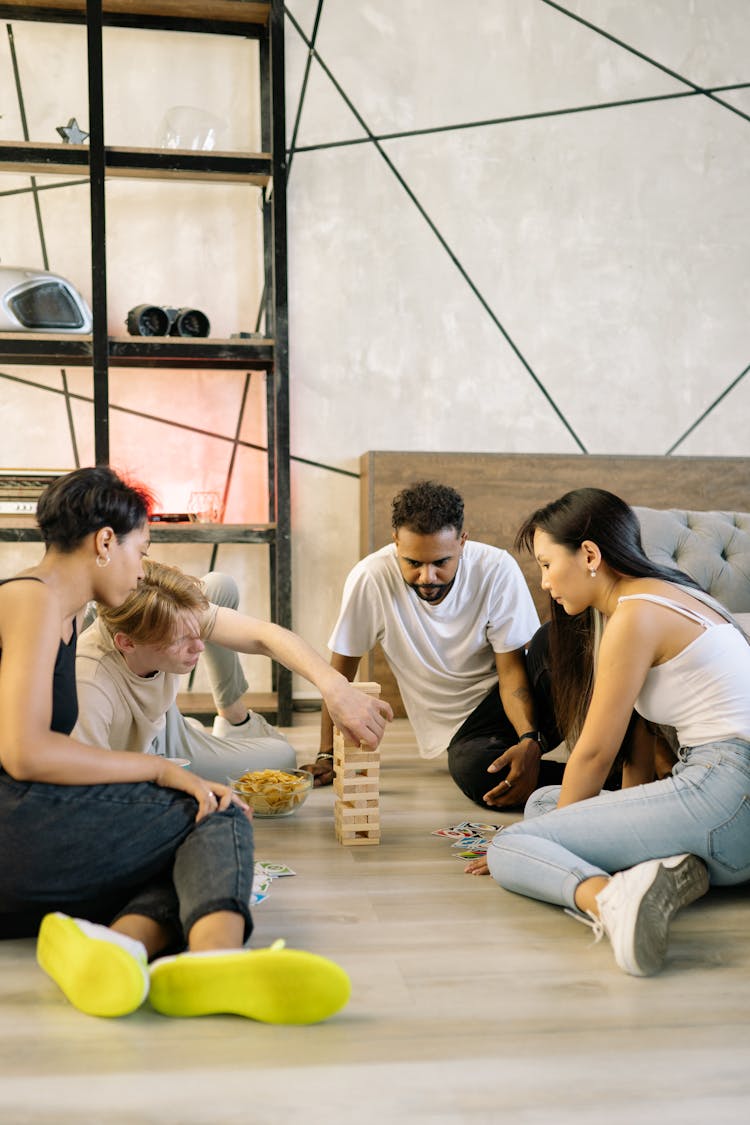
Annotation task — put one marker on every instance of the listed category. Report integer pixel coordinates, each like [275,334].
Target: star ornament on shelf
[72,133]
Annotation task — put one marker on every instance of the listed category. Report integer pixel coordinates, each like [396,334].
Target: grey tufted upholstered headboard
[712,547]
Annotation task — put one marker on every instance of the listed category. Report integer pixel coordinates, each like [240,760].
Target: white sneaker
[637,906]
[222,728]
[196,724]
[255,726]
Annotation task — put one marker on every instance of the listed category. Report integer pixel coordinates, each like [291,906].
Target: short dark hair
[426,508]
[86,500]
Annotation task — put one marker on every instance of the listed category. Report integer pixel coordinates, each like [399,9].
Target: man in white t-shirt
[453,618]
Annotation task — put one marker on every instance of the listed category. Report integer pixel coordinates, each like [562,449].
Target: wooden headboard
[501,489]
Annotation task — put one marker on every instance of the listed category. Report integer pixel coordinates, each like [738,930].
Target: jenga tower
[356,784]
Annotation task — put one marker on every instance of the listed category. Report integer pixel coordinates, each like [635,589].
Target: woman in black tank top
[120,856]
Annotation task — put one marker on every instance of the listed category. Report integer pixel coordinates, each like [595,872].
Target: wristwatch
[535,736]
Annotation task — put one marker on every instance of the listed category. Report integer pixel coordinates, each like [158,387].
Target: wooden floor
[469,1004]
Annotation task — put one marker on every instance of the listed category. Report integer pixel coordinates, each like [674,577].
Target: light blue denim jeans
[702,808]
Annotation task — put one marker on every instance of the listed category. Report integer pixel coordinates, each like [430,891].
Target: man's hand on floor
[322,771]
[522,763]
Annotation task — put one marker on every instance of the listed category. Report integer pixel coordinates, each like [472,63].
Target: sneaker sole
[671,889]
[285,986]
[98,977]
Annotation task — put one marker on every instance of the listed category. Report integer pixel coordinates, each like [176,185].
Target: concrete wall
[514,226]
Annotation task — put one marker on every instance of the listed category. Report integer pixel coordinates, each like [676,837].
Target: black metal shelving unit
[100,351]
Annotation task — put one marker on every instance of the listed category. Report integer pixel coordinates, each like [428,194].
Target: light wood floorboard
[469,1004]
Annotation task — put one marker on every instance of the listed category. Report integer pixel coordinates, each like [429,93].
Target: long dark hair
[605,519]
[86,500]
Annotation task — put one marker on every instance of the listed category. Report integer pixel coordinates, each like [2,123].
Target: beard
[434,592]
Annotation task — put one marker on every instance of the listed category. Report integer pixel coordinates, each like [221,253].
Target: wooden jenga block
[355,764]
[357,832]
[356,786]
[357,819]
[358,796]
[356,838]
[369,687]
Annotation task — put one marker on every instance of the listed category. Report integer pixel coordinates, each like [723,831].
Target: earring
[102,562]
[592,572]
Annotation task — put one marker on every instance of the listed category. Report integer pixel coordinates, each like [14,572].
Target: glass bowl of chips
[273,792]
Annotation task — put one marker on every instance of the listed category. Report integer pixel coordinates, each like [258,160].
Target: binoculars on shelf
[153,320]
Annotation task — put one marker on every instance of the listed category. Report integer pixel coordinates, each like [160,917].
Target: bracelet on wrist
[324,758]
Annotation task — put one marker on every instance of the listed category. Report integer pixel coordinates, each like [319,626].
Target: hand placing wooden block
[357,786]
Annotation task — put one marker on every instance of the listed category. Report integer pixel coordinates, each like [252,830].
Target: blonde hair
[151,615]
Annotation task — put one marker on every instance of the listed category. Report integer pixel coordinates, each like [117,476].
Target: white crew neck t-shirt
[443,656]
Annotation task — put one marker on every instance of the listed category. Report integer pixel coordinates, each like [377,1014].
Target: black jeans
[487,732]
[100,851]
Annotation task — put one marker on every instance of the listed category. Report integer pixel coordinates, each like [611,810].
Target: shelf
[173,352]
[32,158]
[169,352]
[202,702]
[185,164]
[95,165]
[213,532]
[23,529]
[231,16]
[45,348]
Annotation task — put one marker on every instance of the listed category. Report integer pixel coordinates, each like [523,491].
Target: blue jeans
[101,851]
[703,808]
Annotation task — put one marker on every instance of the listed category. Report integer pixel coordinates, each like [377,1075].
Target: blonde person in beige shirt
[131,659]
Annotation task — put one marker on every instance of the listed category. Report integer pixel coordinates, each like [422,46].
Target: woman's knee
[541,801]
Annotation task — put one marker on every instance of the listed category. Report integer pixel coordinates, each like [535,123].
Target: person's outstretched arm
[628,650]
[362,718]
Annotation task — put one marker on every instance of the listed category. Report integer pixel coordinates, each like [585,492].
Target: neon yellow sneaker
[273,985]
[101,972]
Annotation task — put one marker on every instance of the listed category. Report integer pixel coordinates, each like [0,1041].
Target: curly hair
[427,507]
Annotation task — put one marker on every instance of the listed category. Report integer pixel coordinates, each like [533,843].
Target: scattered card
[471,839]
[263,875]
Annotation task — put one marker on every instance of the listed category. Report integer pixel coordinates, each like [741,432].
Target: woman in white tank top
[627,633]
